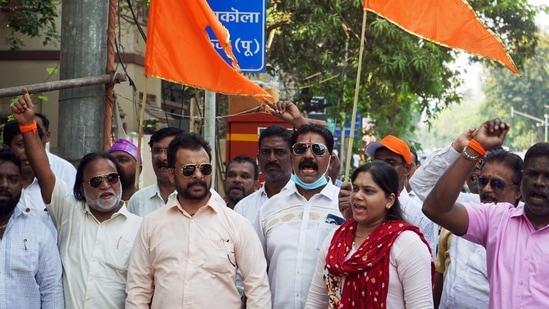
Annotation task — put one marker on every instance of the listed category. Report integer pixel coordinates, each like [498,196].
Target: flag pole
[140,134]
[355,101]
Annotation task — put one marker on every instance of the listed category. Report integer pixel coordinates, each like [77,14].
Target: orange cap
[392,143]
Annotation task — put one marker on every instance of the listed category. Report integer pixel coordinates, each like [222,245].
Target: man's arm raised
[23,112]
[440,204]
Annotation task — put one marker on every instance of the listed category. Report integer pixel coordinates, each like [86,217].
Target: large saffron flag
[451,23]
[179,49]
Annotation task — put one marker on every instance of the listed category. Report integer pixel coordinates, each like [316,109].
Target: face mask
[322,181]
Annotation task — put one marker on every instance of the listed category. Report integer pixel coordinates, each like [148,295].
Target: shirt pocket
[221,256]
[23,256]
[323,230]
[118,253]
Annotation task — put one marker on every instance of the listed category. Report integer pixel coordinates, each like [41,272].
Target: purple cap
[125,145]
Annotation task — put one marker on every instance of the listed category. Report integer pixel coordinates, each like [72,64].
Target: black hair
[415,158]
[386,178]
[508,159]
[276,131]
[191,141]
[537,150]
[45,120]
[7,154]
[86,160]
[164,132]
[243,159]
[327,135]
[11,130]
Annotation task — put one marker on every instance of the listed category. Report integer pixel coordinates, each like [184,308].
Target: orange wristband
[30,128]
[475,145]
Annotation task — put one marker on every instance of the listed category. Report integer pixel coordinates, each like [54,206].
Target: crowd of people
[400,234]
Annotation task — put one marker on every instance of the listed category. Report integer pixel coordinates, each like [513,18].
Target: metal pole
[545,115]
[209,125]
[64,84]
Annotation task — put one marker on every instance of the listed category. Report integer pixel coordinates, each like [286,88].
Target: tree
[35,18]
[527,95]
[316,45]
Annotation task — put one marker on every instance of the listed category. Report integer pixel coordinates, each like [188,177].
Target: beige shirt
[183,261]
[95,255]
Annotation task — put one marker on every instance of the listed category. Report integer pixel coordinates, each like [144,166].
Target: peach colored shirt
[183,261]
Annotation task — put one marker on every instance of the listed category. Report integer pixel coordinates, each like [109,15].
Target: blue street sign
[347,128]
[245,21]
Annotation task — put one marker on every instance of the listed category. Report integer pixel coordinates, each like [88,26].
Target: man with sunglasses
[188,252]
[95,232]
[461,275]
[515,237]
[397,154]
[158,194]
[293,223]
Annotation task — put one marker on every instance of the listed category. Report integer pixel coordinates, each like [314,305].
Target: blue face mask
[320,182]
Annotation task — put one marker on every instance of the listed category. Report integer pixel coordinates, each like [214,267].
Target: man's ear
[171,175]
[407,169]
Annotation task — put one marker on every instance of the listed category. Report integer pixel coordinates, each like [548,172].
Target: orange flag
[179,49]
[451,23]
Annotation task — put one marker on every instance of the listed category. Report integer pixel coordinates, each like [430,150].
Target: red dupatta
[367,270]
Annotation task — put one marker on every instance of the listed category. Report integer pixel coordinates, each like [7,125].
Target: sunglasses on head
[96,181]
[495,184]
[317,148]
[189,169]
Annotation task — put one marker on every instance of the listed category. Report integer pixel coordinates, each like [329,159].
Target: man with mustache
[188,252]
[31,267]
[461,274]
[95,231]
[515,238]
[241,179]
[293,223]
[157,195]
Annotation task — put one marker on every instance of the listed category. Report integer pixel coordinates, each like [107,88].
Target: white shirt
[30,267]
[466,282]
[410,283]
[148,199]
[95,254]
[31,202]
[292,231]
[62,169]
[413,214]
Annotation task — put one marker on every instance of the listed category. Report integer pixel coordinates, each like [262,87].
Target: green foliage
[35,18]
[527,95]
[316,45]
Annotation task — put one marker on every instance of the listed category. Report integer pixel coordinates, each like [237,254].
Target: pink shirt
[183,261]
[517,255]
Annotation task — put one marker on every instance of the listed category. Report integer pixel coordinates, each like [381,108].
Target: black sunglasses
[96,181]
[495,184]
[317,148]
[189,169]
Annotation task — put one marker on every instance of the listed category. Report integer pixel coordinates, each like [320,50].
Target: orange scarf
[367,270]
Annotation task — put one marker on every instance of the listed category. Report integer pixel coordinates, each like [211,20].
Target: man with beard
[241,179]
[293,223]
[125,154]
[515,238]
[461,274]
[157,195]
[187,252]
[95,232]
[30,263]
